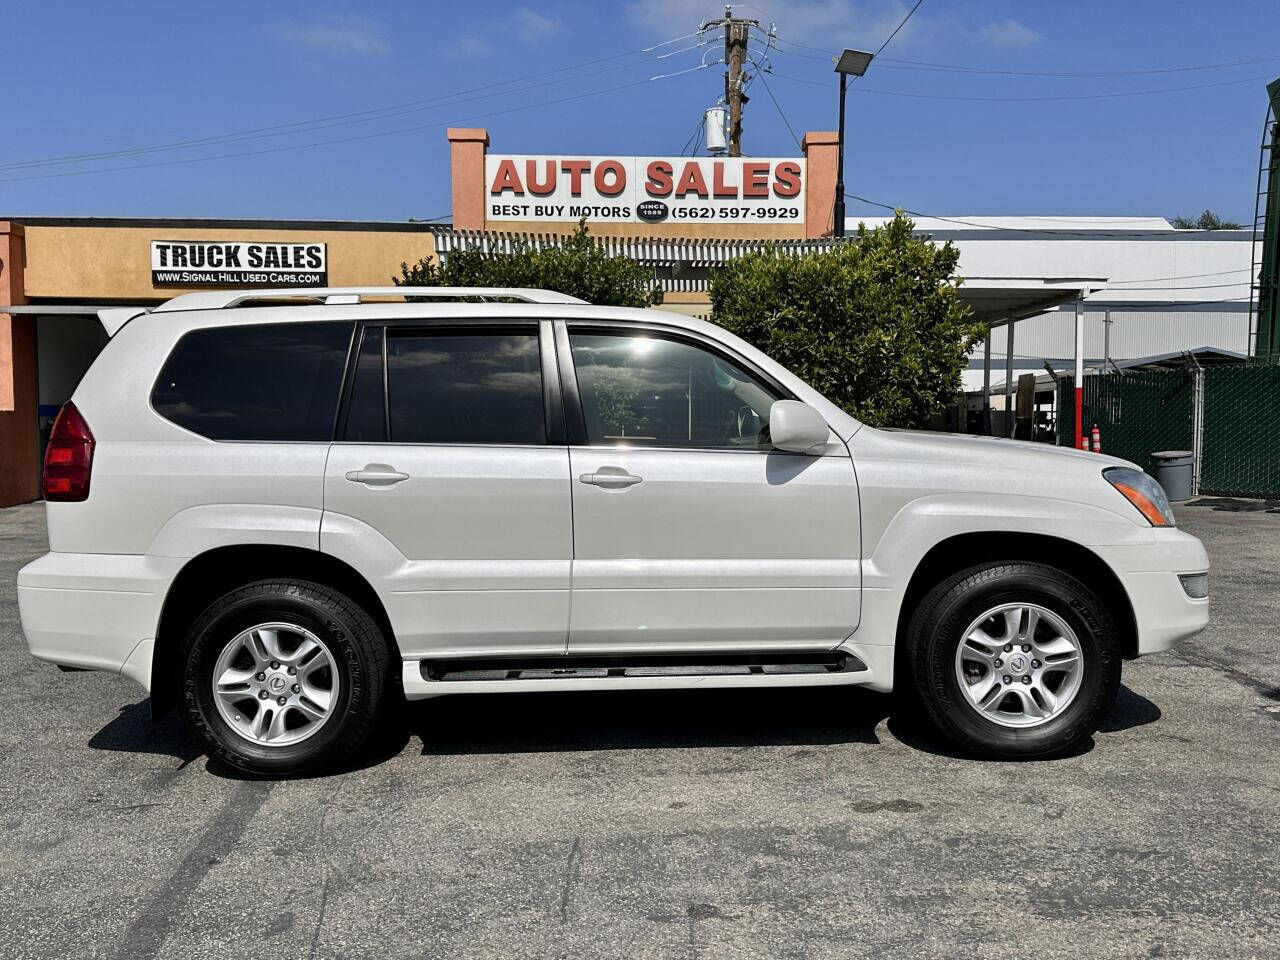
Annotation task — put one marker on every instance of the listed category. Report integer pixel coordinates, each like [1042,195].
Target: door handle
[606,478]
[376,475]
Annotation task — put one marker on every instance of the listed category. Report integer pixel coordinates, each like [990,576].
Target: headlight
[1144,493]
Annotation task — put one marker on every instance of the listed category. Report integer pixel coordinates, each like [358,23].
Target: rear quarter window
[256,382]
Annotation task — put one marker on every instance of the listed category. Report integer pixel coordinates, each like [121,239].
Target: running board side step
[430,678]
[557,668]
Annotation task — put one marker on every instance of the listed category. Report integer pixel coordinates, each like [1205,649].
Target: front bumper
[94,611]
[1164,613]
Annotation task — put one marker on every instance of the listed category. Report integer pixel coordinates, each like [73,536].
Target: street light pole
[839,224]
[851,63]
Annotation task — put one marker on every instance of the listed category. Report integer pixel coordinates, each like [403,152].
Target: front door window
[643,390]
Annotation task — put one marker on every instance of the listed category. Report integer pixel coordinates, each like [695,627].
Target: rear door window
[463,386]
[256,382]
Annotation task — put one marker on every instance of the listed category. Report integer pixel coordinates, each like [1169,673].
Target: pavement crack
[328,868]
[1261,687]
[570,871]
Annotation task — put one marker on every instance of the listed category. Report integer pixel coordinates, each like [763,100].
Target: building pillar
[820,153]
[19,441]
[985,427]
[1009,417]
[1079,371]
[467,147]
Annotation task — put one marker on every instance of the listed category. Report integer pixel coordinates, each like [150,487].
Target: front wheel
[1014,660]
[284,676]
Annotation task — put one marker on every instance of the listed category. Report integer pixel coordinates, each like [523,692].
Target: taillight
[68,460]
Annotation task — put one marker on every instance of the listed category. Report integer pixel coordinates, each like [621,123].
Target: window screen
[465,387]
[256,382]
[643,390]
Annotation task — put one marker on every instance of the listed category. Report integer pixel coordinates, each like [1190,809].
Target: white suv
[282,515]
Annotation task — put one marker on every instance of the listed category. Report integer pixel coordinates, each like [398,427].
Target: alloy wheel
[275,684]
[1019,665]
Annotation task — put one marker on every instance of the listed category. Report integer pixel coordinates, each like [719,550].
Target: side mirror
[797,428]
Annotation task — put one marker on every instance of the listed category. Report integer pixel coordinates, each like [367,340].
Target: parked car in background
[280,515]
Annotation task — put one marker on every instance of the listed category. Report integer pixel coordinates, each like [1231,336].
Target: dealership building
[1132,288]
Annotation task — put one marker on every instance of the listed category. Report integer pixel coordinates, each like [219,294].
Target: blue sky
[116,77]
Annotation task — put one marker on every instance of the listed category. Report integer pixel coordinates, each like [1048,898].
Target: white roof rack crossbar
[222,299]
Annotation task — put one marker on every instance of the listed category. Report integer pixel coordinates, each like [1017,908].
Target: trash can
[1172,470]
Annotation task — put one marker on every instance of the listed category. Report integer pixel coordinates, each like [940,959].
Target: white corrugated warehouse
[1163,290]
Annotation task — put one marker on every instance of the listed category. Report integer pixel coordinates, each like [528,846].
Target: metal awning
[999,300]
[651,251]
[995,300]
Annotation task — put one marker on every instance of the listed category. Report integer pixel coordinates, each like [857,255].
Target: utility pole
[735,55]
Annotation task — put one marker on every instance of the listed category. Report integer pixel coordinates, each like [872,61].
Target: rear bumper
[94,611]
[1165,614]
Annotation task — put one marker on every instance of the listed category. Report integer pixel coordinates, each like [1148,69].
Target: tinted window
[465,388]
[644,390]
[367,412]
[258,382]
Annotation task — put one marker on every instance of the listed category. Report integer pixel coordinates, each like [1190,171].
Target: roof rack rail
[112,318]
[222,299]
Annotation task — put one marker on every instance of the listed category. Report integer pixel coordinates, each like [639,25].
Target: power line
[1085,96]
[1199,286]
[693,136]
[832,54]
[1185,276]
[359,116]
[889,39]
[352,139]
[890,63]
[1090,234]
[760,72]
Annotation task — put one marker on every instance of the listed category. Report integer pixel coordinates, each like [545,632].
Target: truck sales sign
[238,263]
[645,189]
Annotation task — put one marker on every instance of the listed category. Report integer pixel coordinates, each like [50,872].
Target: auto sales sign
[238,263]
[645,189]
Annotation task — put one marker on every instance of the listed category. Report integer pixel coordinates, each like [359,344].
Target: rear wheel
[1014,660]
[284,676]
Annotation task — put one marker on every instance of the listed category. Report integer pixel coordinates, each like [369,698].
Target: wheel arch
[215,572]
[964,550]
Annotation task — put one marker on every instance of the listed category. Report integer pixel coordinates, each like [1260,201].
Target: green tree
[1208,220]
[578,267]
[875,323]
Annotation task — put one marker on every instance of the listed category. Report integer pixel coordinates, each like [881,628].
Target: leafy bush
[577,267]
[875,323]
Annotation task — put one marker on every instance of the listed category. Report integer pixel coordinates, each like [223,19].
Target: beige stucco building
[57,271]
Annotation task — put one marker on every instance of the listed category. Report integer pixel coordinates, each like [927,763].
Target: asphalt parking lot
[739,824]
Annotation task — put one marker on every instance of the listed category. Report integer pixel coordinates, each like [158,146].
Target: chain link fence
[1229,415]
[1137,413]
[1241,455]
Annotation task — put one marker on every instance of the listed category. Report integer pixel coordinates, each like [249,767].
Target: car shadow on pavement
[133,731]
[629,720]
[1130,710]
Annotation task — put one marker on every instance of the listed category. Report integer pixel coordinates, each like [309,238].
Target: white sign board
[238,263]
[644,189]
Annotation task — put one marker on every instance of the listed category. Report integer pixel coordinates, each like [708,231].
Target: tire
[333,682]
[992,701]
